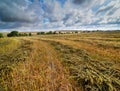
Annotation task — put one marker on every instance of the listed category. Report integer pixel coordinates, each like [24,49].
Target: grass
[40,71]
[93,43]
[12,52]
[91,75]
[93,60]
[62,62]
[8,44]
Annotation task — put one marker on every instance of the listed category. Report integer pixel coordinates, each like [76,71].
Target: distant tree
[76,31]
[1,35]
[13,34]
[60,32]
[54,32]
[25,34]
[30,34]
[98,30]
[50,32]
[20,34]
[40,33]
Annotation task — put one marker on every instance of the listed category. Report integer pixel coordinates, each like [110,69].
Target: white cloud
[74,13]
[109,14]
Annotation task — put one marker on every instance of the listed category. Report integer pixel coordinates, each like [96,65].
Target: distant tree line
[17,34]
[40,33]
[50,32]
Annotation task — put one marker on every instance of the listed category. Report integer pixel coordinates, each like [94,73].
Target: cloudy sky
[35,15]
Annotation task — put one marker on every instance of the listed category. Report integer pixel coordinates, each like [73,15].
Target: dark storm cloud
[14,10]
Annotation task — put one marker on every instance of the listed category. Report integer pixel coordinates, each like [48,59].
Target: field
[89,61]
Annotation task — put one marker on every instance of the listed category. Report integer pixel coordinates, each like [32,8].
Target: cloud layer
[49,14]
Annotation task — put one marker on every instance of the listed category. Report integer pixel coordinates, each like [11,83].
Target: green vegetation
[13,34]
[17,34]
[40,33]
[23,34]
[1,35]
[30,34]
[50,32]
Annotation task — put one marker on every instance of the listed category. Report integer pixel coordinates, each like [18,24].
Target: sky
[38,15]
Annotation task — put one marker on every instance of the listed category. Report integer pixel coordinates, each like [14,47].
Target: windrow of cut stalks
[89,74]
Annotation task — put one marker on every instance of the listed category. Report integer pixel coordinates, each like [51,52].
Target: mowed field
[89,61]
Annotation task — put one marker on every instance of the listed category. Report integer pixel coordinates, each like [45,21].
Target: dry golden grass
[65,62]
[96,46]
[93,60]
[8,44]
[42,71]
